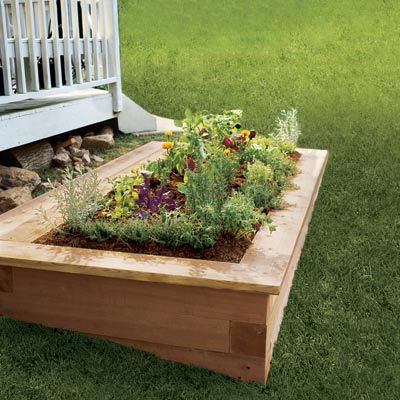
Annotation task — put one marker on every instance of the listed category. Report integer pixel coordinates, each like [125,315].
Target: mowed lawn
[339,63]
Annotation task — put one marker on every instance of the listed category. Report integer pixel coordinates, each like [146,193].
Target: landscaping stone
[69,142]
[11,177]
[62,158]
[77,152]
[86,158]
[14,197]
[33,156]
[49,186]
[77,142]
[107,130]
[97,160]
[98,142]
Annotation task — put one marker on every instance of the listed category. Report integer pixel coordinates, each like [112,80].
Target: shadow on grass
[41,363]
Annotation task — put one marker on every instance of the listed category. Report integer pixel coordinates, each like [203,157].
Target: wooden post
[112,37]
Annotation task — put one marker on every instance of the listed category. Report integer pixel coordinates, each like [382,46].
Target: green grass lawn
[339,63]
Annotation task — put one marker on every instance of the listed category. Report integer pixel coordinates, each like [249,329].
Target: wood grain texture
[113,307]
[277,303]
[236,366]
[248,339]
[6,279]
[262,269]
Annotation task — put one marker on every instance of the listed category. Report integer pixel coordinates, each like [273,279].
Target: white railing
[53,46]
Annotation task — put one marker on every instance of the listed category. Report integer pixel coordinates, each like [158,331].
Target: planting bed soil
[227,248]
[221,315]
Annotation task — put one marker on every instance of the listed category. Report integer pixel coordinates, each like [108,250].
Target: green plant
[206,189]
[239,215]
[77,199]
[176,228]
[124,196]
[260,185]
[287,127]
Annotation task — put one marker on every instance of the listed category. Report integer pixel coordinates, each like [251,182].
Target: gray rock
[96,159]
[14,197]
[62,158]
[76,159]
[98,142]
[77,152]
[11,177]
[107,130]
[86,158]
[77,142]
[33,156]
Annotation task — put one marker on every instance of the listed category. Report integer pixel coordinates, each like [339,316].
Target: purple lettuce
[152,202]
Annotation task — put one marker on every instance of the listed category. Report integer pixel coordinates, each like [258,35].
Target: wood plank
[142,297]
[248,339]
[6,280]
[237,366]
[277,303]
[86,304]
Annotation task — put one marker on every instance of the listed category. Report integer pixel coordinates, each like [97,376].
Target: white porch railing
[54,46]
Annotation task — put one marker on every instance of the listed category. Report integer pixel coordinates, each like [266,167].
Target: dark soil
[227,248]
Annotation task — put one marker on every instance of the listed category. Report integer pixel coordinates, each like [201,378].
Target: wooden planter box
[222,316]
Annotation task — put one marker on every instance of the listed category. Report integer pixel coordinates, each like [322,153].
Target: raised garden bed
[224,316]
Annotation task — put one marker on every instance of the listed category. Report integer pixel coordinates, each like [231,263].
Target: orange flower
[168,133]
[246,133]
[227,151]
[167,145]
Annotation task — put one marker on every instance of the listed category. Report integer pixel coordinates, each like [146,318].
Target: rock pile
[77,150]
[17,184]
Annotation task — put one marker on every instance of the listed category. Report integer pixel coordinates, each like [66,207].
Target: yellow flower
[168,133]
[227,151]
[246,132]
[167,145]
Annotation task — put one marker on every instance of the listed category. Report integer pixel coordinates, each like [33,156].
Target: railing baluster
[77,51]
[5,51]
[104,40]
[20,64]
[86,39]
[33,59]
[95,30]
[67,42]
[55,39]
[44,34]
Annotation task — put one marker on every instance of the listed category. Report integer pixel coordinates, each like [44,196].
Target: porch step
[34,119]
